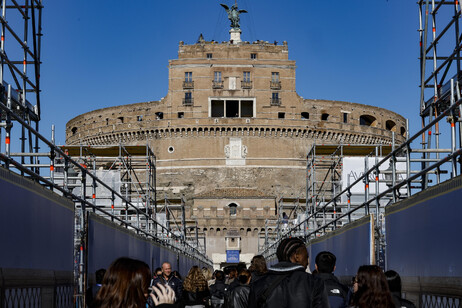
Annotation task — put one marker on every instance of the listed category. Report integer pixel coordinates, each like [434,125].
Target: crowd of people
[128,283]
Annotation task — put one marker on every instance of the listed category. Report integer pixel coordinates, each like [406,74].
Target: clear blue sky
[104,53]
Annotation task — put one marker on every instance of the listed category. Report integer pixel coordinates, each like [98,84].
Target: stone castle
[232,136]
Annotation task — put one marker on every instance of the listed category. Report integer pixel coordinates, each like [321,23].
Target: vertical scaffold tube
[366,185]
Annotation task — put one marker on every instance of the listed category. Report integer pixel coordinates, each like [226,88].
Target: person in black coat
[394,284]
[258,267]
[336,291]
[168,279]
[287,284]
[195,289]
[239,296]
[218,290]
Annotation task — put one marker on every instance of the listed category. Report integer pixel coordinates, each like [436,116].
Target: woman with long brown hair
[371,288]
[195,289]
[126,285]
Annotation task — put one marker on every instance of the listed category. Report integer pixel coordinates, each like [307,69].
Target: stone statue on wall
[244,151]
[233,15]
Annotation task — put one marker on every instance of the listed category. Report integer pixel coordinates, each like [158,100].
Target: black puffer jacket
[239,297]
[297,289]
[196,298]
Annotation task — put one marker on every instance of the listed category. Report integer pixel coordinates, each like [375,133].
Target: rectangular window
[232,109]
[209,56]
[275,100]
[246,109]
[188,76]
[345,117]
[246,76]
[218,109]
[281,115]
[217,77]
[253,56]
[180,115]
[139,118]
[275,76]
[188,100]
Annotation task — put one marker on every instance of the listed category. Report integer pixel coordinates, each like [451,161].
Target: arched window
[367,120]
[232,209]
[74,130]
[305,115]
[390,125]
[403,132]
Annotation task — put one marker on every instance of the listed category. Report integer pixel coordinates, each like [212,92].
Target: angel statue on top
[233,15]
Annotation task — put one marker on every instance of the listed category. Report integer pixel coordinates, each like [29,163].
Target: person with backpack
[336,291]
[218,290]
[287,284]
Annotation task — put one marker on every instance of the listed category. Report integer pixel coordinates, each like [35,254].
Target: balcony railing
[275,85]
[217,84]
[188,101]
[188,84]
[275,101]
[246,84]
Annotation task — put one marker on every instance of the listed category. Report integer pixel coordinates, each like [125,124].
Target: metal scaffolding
[430,156]
[173,212]
[402,168]
[290,212]
[440,77]
[116,182]
[20,42]
[324,181]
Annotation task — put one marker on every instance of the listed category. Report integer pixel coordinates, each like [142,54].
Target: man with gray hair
[168,279]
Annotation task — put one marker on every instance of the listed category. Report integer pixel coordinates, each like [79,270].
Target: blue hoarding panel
[351,245]
[424,233]
[108,241]
[36,226]
[232,256]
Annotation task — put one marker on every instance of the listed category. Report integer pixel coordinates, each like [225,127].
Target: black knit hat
[288,247]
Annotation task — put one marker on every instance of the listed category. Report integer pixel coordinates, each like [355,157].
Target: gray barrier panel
[36,226]
[107,241]
[424,232]
[351,245]
[186,264]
